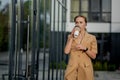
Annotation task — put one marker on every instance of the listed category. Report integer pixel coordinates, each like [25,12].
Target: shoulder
[91,35]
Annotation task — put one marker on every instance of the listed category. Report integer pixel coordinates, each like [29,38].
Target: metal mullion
[53,47]
[65,33]
[100,11]
[38,37]
[80,7]
[27,52]
[89,11]
[57,46]
[61,44]
[12,38]
[33,37]
[55,42]
[20,36]
[44,39]
[110,29]
[27,74]
[102,46]
[49,42]
[16,49]
[64,29]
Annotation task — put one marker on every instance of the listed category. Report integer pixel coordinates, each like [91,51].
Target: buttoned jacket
[80,60]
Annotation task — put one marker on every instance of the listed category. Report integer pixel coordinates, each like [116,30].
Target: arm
[68,44]
[91,54]
[67,48]
[93,51]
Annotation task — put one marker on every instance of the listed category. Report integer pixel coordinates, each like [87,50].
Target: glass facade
[4,36]
[32,37]
[94,10]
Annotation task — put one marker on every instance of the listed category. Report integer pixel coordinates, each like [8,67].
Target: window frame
[89,13]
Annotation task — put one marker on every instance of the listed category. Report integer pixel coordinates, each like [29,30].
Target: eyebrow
[78,21]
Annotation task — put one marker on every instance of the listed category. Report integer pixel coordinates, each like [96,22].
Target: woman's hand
[88,52]
[67,48]
[72,32]
[80,47]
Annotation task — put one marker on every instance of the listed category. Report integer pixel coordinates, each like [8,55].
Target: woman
[82,49]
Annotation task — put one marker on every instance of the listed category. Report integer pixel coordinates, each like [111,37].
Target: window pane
[94,10]
[106,5]
[75,5]
[95,17]
[86,15]
[84,5]
[95,5]
[106,17]
[73,15]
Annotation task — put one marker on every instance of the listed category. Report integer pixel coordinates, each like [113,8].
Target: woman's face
[80,21]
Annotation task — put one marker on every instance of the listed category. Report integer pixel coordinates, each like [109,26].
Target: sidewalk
[99,75]
[107,75]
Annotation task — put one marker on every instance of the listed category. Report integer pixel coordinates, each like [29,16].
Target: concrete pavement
[99,75]
[107,75]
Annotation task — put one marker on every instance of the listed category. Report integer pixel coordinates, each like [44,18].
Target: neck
[82,32]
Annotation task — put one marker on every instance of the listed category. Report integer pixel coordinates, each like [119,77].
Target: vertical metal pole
[20,35]
[16,47]
[61,50]
[33,38]
[61,44]
[38,37]
[53,40]
[110,37]
[27,53]
[50,2]
[57,43]
[64,32]
[101,48]
[12,38]
[44,39]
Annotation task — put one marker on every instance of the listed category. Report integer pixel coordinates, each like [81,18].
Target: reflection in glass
[106,5]
[106,17]
[4,36]
[84,5]
[95,5]
[73,15]
[86,15]
[95,17]
[75,5]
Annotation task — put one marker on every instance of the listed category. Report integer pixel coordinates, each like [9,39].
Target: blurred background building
[33,34]
[103,21]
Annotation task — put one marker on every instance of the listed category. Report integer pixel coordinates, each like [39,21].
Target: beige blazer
[80,66]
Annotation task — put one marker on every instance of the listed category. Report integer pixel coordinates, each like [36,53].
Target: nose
[77,24]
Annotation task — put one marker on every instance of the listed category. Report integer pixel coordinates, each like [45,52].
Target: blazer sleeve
[94,45]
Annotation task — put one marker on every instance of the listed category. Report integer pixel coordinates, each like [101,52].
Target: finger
[73,31]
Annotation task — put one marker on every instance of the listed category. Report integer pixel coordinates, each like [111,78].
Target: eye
[81,22]
[76,22]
